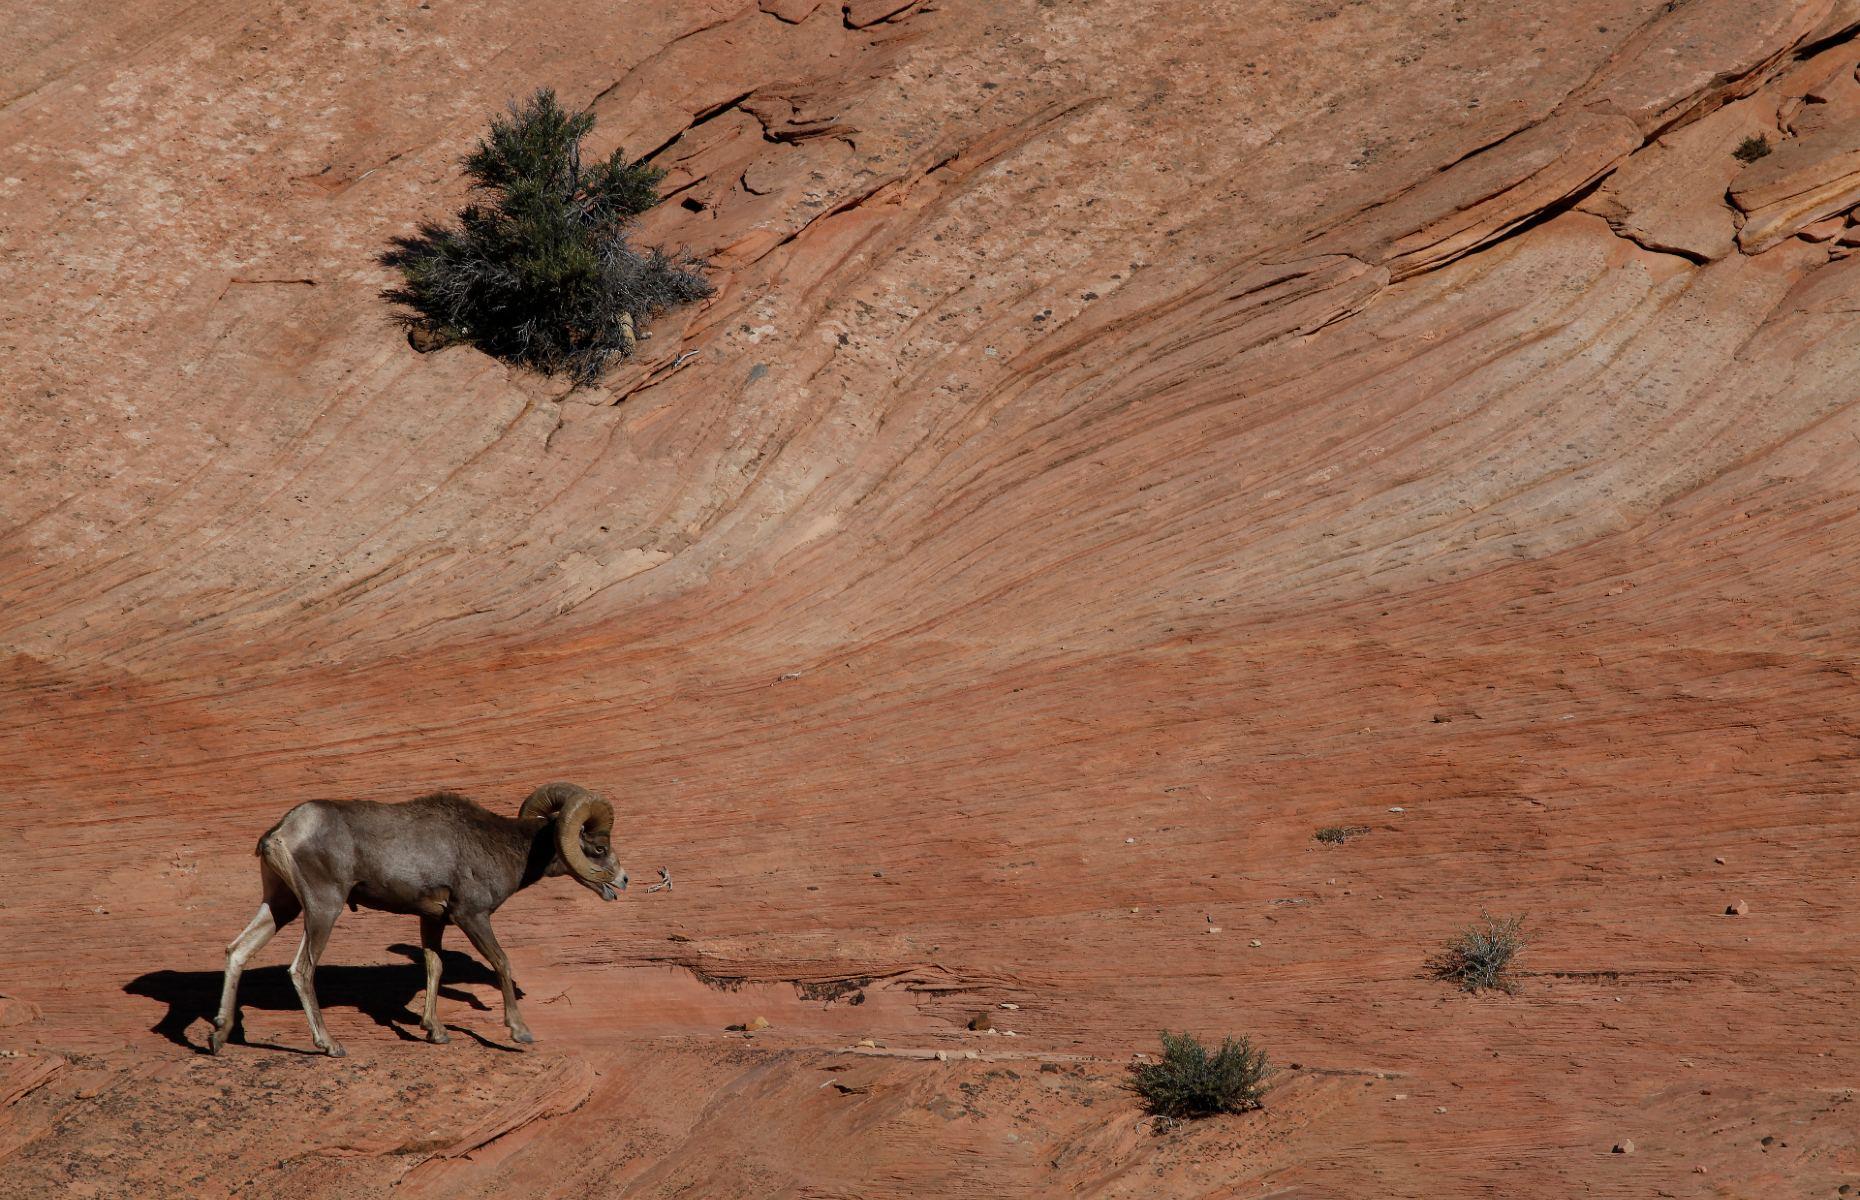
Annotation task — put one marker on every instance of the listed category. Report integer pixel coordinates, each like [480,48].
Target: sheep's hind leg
[319,918]
[278,908]
[478,929]
[432,929]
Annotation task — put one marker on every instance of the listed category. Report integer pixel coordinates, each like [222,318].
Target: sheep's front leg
[477,927]
[432,929]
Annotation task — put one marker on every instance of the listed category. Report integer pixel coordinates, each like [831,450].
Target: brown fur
[440,857]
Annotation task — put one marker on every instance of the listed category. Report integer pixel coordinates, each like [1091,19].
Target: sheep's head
[584,828]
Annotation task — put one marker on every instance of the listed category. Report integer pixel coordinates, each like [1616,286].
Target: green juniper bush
[1190,1082]
[541,272]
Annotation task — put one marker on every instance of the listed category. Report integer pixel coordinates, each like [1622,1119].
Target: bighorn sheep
[440,857]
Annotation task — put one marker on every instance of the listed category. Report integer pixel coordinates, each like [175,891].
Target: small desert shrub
[1751,148]
[1480,957]
[541,273]
[1337,835]
[1190,1082]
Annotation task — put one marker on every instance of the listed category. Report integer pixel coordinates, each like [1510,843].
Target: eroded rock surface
[1127,438]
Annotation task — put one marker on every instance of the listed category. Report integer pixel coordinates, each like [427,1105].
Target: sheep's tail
[266,837]
[276,855]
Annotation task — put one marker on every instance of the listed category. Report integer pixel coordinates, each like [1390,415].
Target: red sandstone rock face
[1127,437]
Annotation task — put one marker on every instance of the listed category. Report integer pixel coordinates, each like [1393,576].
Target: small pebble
[1130,841]
[1736,908]
[1440,1108]
[942,1056]
[1624,1146]
[1007,1007]
[867,1044]
[1719,860]
[1401,1095]
[1398,808]
[1256,943]
[1214,929]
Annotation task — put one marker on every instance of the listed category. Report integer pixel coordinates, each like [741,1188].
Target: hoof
[522,1035]
[335,1051]
[438,1037]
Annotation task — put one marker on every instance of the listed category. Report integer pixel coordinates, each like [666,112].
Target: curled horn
[573,809]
